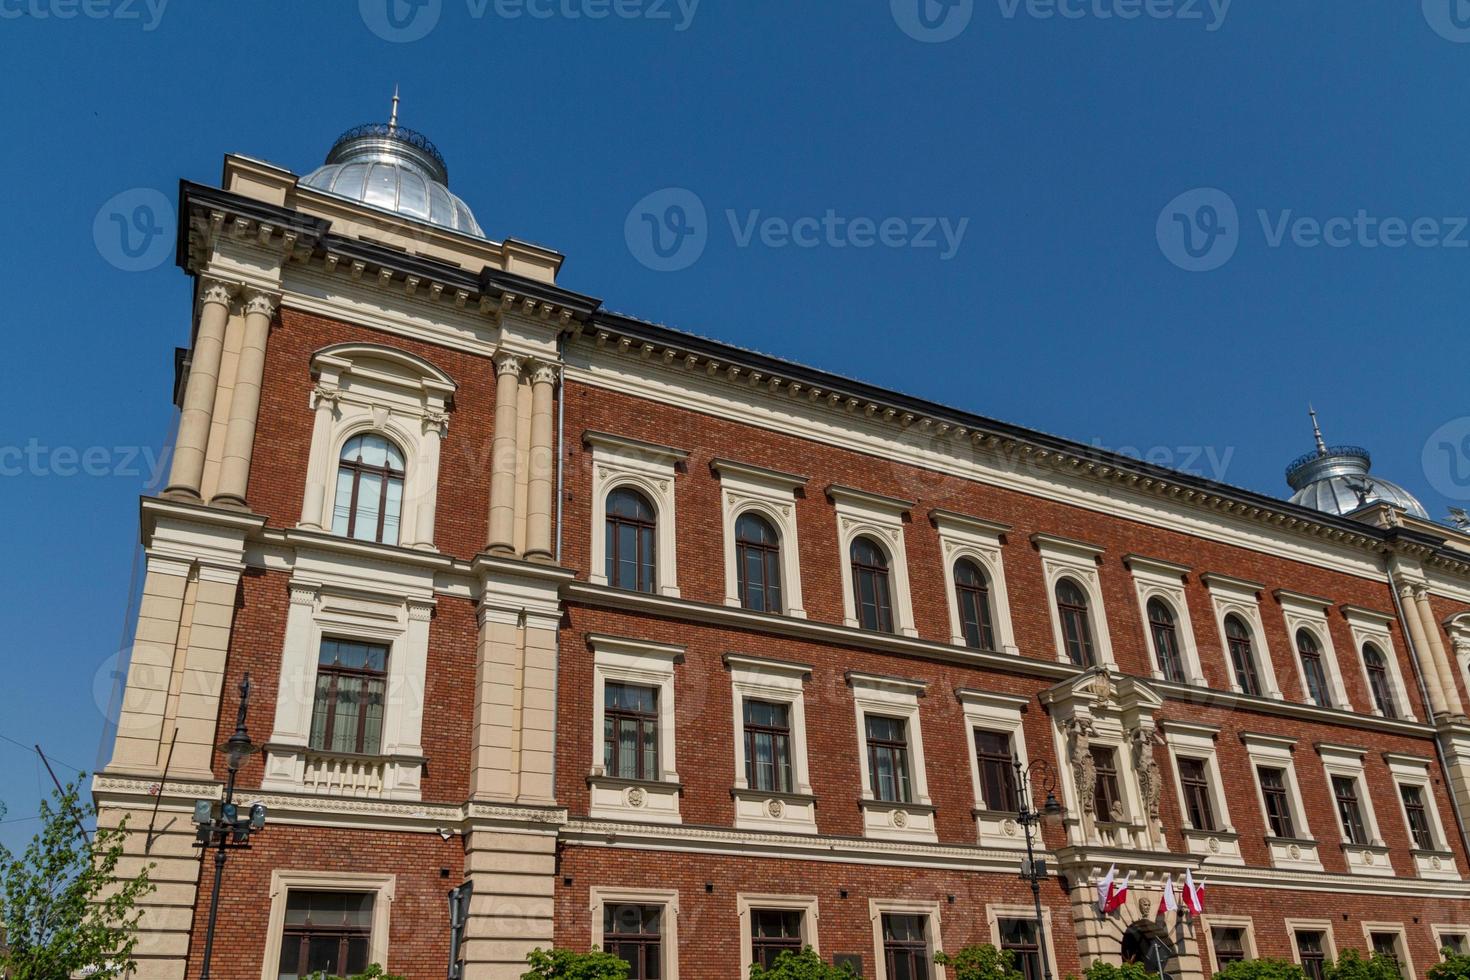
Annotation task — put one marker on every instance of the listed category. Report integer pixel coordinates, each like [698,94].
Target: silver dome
[396,169]
[1336,480]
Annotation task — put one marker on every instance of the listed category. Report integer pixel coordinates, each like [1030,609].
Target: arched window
[1242,656]
[1378,683]
[758,563]
[1312,669]
[972,595]
[1165,632]
[369,502]
[1076,623]
[632,550]
[870,589]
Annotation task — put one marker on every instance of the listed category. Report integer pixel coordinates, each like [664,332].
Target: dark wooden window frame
[1314,669]
[1241,642]
[302,935]
[1276,794]
[1106,791]
[645,542]
[913,952]
[648,946]
[1163,627]
[897,752]
[1229,944]
[1075,617]
[1416,810]
[972,598]
[1312,952]
[366,675]
[768,554]
[1379,684]
[1350,810]
[1018,936]
[876,571]
[646,727]
[1194,779]
[765,948]
[783,774]
[997,767]
[359,469]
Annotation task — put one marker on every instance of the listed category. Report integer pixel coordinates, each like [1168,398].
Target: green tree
[563,964]
[373,972]
[1261,970]
[1454,967]
[1107,971]
[806,965]
[982,962]
[66,910]
[1352,965]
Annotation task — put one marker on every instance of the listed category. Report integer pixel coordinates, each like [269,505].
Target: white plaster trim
[962,537]
[648,665]
[994,913]
[1064,559]
[745,489]
[1198,742]
[1405,957]
[1414,771]
[383,888]
[879,907]
[779,683]
[861,514]
[1153,579]
[1002,714]
[1243,922]
[651,470]
[746,902]
[893,698]
[1324,926]
[1274,752]
[1347,761]
[1367,627]
[669,921]
[1310,614]
[1440,930]
[1240,598]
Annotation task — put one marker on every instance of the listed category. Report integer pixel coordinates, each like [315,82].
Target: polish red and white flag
[1194,894]
[1112,893]
[1171,895]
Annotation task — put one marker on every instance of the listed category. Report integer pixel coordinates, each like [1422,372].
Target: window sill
[792,813]
[297,769]
[1368,859]
[1436,864]
[1214,846]
[1296,853]
[641,800]
[898,821]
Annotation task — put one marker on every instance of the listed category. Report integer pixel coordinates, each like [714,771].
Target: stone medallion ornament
[635,796]
[774,807]
[1295,852]
[900,819]
[1214,844]
[1008,827]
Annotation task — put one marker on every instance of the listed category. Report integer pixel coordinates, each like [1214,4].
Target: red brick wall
[418,944]
[256,642]
[700,556]
[283,435]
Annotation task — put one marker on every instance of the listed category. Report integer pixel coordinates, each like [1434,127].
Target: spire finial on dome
[393,117]
[1317,431]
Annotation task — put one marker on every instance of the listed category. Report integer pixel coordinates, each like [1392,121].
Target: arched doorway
[1148,944]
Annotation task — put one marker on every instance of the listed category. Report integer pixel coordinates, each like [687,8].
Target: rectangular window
[1278,807]
[997,771]
[1194,779]
[1312,952]
[1387,944]
[326,931]
[634,934]
[1018,937]
[1345,789]
[630,732]
[768,746]
[906,947]
[773,932]
[347,715]
[1108,802]
[1229,943]
[1455,942]
[888,759]
[1413,797]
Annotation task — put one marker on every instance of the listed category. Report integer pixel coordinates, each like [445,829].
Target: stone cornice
[1055,542]
[1155,566]
[634,447]
[1289,598]
[301,538]
[746,661]
[940,518]
[863,498]
[757,474]
[1229,583]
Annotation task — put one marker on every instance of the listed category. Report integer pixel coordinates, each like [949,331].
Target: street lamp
[1050,814]
[227,830]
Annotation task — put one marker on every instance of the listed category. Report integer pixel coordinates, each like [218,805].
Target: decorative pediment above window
[1099,691]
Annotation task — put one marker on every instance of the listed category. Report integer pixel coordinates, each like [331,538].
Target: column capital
[258,302]
[436,423]
[325,394]
[220,291]
[545,372]
[508,362]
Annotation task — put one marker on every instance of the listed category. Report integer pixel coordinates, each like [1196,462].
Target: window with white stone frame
[996,741]
[1357,821]
[773,789]
[634,774]
[649,471]
[1232,938]
[379,416]
[905,937]
[1283,813]
[895,787]
[772,924]
[1390,939]
[1165,609]
[382,756]
[1316,659]
[1454,938]
[640,926]
[752,569]
[975,581]
[1242,634]
[1313,945]
[1013,928]
[864,517]
[1373,640]
[1074,594]
[319,913]
[1207,829]
[1428,841]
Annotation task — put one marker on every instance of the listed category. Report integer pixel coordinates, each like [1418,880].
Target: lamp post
[1029,818]
[227,830]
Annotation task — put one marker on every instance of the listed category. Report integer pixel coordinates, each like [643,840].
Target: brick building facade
[666,646]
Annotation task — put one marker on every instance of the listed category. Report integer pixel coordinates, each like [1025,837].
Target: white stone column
[324,406]
[1425,654]
[187,472]
[435,426]
[1453,704]
[245,402]
[503,455]
[541,487]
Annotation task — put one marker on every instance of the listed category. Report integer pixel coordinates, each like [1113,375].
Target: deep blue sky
[1060,140]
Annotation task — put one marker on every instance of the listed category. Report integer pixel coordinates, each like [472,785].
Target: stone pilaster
[542,463]
[510,861]
[501,538]
[197,414]
[260,309]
